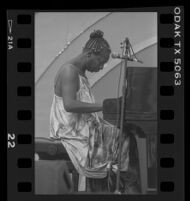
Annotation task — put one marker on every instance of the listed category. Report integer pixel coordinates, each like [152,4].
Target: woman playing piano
[91,142]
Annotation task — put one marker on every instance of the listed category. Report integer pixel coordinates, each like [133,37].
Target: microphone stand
[125,52]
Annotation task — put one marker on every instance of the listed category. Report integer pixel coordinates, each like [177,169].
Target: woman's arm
[70,86]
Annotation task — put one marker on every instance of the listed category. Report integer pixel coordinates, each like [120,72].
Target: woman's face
[97,61]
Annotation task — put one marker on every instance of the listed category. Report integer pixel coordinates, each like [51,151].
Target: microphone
[119,56]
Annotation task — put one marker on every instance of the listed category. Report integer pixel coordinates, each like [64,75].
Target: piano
[140,113]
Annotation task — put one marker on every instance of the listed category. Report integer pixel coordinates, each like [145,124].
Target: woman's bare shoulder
[68,73]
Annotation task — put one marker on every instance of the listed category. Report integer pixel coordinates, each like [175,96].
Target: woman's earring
[89,54]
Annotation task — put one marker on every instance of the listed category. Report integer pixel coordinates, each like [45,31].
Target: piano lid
[142,89]
[141,95]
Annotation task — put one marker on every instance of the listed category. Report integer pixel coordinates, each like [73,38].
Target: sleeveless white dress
[91,142]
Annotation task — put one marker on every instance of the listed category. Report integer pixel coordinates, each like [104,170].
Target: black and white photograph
[95,103]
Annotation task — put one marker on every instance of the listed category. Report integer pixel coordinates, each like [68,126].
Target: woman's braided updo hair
[96,43]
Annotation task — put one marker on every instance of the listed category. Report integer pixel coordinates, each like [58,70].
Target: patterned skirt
[130,176]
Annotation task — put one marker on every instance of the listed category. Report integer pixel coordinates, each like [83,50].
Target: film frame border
[20,113]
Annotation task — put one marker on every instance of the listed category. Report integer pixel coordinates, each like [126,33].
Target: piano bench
[50,149]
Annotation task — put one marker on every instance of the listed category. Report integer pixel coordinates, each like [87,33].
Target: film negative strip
[52,177]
